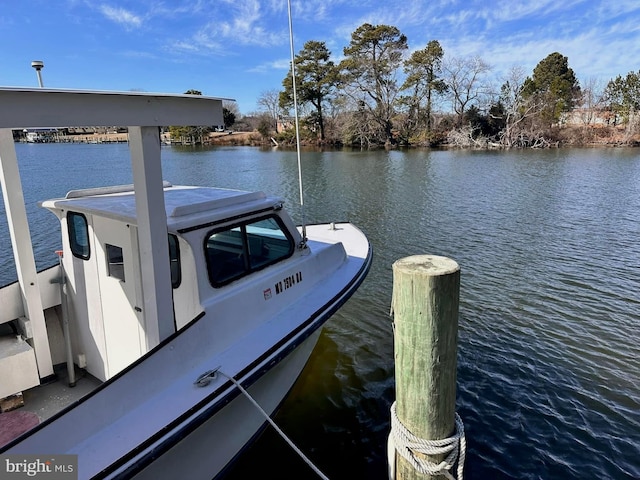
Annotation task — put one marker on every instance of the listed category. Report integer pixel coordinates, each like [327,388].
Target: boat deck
[44,401]
[48,399]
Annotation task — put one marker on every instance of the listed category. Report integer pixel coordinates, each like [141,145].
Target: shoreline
[255,139]
[214,138]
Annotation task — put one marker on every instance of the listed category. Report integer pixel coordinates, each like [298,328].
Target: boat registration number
[288,282]
[284,284]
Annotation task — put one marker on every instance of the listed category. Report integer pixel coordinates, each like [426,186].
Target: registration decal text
[288,282]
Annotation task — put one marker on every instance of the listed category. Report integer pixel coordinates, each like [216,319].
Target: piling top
[426,265]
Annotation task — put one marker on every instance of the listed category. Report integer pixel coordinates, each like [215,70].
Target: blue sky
[240,48]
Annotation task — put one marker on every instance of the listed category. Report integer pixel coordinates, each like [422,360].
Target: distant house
[284,123]
[591,116]
[39,135]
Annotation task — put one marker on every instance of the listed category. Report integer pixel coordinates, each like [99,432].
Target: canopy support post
[23,250]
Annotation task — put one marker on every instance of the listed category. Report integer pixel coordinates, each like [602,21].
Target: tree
[591,100]
[264,126]
[623,94]
[423,81]
[230,113]
[316,78]
[358,127]
[270,101]
[369,72]
[555,85]
[464,78]
[229,118]
[188,134]
[516,113]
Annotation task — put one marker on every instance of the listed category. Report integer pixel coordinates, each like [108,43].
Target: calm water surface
[549,248]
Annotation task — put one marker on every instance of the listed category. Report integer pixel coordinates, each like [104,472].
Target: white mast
[295,111]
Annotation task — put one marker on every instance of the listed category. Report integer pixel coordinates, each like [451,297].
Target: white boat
[172,297]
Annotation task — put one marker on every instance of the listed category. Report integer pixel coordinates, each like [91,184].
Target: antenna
[297,123]
[38,65]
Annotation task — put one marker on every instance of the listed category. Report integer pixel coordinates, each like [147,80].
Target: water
[549,341]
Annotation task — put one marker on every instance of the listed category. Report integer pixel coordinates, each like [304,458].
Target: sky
[239,49]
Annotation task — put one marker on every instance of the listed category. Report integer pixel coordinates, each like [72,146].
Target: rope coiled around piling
[407,445]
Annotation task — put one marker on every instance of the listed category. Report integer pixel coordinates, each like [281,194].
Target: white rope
[273,424]
[407,445]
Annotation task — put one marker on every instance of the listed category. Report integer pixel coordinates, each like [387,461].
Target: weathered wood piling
[425,301]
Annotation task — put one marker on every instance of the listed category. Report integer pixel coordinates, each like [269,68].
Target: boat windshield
[236,251]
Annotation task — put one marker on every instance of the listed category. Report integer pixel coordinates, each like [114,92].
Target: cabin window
[174,261]
[78,235]
[115,262]
[236,251]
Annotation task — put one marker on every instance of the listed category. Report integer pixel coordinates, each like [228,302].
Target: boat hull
[154,422]
[217,441]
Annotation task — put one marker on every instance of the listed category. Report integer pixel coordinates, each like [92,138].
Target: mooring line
[275,426]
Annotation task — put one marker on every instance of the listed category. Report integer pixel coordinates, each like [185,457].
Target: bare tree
[269,100]
[465,137]
[592,100]
[517,110]
[464,78]
[356,123]
[232,106]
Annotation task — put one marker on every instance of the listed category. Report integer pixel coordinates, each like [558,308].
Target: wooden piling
[426,291]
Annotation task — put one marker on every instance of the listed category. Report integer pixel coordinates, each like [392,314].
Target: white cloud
[246,23]
[227,24]
[280,64]
[121,16]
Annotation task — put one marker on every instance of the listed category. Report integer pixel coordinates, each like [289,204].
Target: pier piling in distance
[425,302]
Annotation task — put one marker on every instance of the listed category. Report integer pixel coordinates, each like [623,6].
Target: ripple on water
[549,339]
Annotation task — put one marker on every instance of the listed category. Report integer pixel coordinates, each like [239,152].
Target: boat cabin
[215,237]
